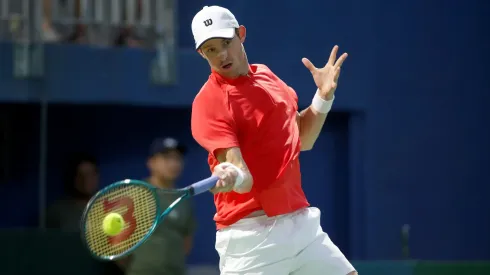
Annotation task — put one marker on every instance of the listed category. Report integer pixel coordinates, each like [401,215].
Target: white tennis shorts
[288,244]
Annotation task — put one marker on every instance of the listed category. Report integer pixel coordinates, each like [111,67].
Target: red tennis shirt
[256,113]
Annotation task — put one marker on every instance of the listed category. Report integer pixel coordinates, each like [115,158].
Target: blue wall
[409,142]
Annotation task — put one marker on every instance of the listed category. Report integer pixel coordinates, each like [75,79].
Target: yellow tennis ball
[113,224]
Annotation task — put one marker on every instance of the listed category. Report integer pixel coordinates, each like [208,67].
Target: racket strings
[138,207]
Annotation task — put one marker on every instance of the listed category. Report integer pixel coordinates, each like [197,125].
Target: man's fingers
[222,186]
[218,170]
[333,55]
[219,184]
[337,73]
[308,64]
[226,179]
[341,60]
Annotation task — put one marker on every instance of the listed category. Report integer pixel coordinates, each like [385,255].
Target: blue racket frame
[186,192]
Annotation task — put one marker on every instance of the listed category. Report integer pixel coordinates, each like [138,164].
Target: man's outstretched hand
[326,78]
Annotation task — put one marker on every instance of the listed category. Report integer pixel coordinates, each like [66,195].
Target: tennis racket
[138,203]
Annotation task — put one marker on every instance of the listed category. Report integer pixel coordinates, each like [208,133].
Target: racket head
[137,202]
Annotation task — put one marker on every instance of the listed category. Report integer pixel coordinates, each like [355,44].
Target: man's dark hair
[237,33]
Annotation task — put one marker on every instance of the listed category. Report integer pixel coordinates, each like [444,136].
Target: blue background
[407,143]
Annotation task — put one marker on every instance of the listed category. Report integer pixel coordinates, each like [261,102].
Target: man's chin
[229,73]
[168,179]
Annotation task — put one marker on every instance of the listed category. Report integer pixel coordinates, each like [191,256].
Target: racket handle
[203,185]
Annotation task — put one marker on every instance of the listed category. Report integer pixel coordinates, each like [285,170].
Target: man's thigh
[262,248]
[322,257]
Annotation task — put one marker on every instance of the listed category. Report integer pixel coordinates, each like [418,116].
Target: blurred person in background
[57,30]
[105,35]
[166,250]
[133,36]
[49,33]
[61,22]
[81,183]
[15,23]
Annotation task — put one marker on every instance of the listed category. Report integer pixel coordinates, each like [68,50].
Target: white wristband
[240,174]
[321,105]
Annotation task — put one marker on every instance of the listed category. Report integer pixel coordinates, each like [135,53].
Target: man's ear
[242,32]
[148,163]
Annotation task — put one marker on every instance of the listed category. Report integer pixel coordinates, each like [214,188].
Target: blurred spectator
[130,35]
[55,29]
[49,34]
[59,30]
[130,38]
[107,35]
[68,21]
[165,251]
[81,182]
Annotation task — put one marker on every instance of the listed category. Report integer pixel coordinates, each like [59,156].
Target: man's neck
[245,69]
[161,183]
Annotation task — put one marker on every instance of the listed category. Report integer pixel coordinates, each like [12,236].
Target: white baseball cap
[213,22]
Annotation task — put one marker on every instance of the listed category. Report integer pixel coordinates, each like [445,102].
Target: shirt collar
[234,81]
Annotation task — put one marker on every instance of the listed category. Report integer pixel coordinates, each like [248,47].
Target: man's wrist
[240,178]
[322,105]
[329,97]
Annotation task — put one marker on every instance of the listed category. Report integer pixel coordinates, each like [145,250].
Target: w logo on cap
[208,22]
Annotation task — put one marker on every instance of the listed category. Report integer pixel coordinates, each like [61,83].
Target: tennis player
[247,119]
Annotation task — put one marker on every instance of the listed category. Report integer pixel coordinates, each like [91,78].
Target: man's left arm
[310,123]
[311,120]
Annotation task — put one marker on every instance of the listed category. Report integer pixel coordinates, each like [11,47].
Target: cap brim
[221,33]
[181,149]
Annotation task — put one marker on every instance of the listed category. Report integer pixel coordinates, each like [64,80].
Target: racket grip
[203,185]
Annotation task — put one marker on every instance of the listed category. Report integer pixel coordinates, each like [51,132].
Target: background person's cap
[213,22]
[164,145]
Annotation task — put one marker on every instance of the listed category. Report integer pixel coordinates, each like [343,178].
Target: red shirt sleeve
[212,123]
[293,94]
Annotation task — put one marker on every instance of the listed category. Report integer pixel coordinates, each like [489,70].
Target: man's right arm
[215,129]
[228,175]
